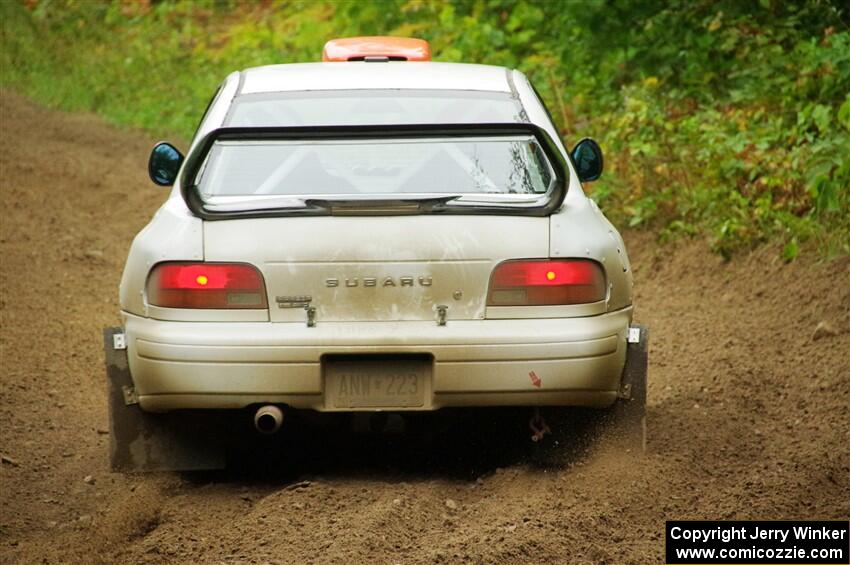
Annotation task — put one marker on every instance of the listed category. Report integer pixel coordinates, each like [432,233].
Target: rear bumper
[179,365]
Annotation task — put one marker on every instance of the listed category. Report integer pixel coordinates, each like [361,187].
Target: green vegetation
[727,118]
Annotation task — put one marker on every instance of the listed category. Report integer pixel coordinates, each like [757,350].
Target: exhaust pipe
[268,419]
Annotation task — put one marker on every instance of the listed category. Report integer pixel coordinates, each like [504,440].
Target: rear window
[373,107]
[504,165]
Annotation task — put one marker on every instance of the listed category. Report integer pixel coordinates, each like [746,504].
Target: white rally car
[378,233]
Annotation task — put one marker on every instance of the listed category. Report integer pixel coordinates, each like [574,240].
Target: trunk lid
[376,268]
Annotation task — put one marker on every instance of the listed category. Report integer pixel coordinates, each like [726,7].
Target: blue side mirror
[587,157]
[164,163]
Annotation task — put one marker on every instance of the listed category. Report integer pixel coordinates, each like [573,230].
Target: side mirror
[164,163]
[587,157]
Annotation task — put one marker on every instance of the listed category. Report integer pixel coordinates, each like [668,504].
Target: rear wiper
[381,206]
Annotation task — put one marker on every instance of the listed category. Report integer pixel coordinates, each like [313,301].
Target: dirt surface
[748,417]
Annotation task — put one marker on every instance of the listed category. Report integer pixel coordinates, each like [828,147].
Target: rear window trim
[196,158]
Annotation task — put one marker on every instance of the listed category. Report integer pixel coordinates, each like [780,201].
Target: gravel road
[748,417]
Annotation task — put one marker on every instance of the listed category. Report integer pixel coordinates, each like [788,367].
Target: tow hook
[538,426]
[442,310]
[311,316]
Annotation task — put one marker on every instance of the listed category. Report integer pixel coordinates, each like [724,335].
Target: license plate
[381,382]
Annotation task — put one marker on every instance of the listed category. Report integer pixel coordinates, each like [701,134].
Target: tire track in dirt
[749,417]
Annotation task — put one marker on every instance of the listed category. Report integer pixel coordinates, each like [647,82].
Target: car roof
[368,75]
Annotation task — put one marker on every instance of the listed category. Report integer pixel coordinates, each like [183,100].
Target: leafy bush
[726,118]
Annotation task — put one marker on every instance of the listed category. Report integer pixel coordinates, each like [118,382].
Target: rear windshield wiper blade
[381,205]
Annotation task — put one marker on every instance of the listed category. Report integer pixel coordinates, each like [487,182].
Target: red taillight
[545,282]
[206,285]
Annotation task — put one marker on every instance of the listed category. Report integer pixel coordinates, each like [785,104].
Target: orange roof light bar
[380,47]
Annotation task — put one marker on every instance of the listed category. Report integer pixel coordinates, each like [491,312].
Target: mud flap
[143,441]
[629,413]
